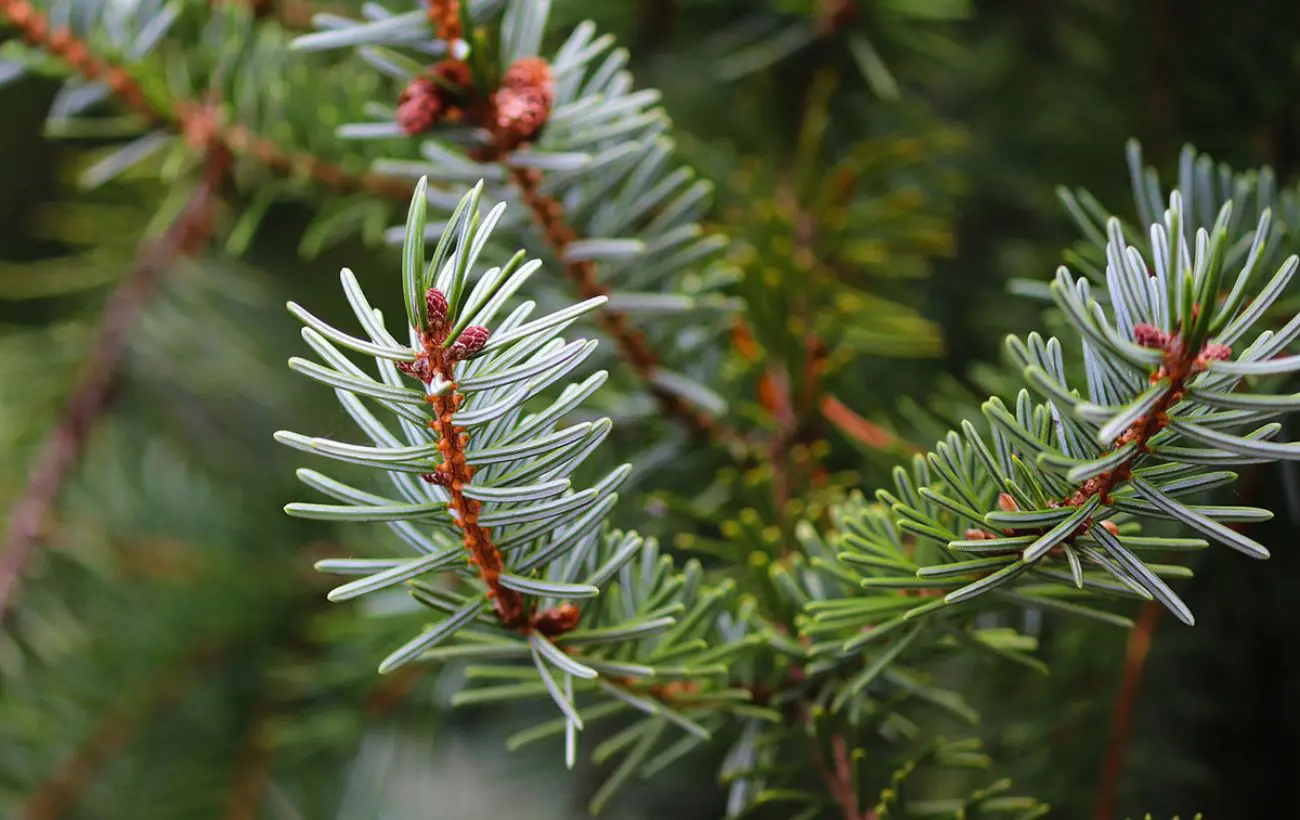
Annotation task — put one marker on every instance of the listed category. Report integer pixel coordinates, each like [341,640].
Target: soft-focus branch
[190,118]
[1135,656]
[631,343]
[189,234]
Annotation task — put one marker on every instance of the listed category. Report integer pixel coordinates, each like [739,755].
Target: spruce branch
[188,235]
[549,215]
[640,635]
[198,122]
[1136,651]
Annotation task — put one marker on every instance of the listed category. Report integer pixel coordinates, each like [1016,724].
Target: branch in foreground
[189,234]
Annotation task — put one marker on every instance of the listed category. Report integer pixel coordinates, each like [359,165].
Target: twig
[631,342]
[194,120]
[244,798]
[836,773]
[191,230]
[1121,724]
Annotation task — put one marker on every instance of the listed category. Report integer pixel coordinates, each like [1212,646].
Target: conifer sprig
[482,480]
[568,138]
[1055,488]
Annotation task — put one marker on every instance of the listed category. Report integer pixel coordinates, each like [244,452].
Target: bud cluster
[524,102]
[515,114]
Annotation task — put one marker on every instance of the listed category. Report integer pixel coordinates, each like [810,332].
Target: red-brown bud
[435,302]
[1215,352]
[1006,503]
[524,101]
[531,72]
[557,620]
[1111,527]
[979,535]
[521,113]
[1150,336]
[419,107]
[470,341]
[418,369]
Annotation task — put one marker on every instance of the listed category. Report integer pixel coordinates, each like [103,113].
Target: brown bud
[1215,352]
[1150,336]
[530,72]
[418,369]
[524,102]
[436,304]
[557,620]
[978,535]
[419,107]
[1111,527]
[1006,503]
[470,341]
[453,75]
[520,115]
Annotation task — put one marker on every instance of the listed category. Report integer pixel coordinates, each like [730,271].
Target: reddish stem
[1135,656]
[631,342]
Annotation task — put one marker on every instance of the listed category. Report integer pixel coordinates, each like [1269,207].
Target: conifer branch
[188,235]
[438,359]
[1135,656]
[1181,363]
[194,120]
[631,343]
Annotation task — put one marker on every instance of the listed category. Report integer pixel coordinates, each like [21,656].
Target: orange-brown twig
[510,605]
[194,120]
[190,233]
[1180,364]
[1135,656]
[438,359]
[631,342]
[858,428]
[445,16]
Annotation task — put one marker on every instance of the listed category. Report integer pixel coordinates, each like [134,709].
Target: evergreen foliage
[605,417]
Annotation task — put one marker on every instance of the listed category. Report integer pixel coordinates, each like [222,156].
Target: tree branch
[631,343]
[189,233]
[195,121]
[1135,656]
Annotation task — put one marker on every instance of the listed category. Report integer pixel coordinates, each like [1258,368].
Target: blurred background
[169,652]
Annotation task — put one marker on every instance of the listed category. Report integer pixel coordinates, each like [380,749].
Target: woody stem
[456,474]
